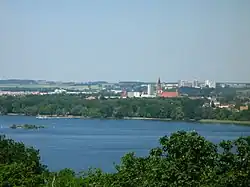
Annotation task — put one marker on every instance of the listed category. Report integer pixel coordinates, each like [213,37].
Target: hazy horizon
[133,40]
[143,81]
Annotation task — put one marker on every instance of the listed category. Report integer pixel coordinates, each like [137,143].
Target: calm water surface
[79,144]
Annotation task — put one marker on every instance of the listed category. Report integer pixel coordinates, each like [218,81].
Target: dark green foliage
[64,178]
[26,126]
[77,105]
[19,165]
[183,159]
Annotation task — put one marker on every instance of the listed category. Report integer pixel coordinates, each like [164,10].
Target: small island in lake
[26,126]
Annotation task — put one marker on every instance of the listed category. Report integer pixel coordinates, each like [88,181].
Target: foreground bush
[183,159]
[19,165]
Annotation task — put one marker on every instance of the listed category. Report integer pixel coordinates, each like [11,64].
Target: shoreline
[247,123]
[210,121]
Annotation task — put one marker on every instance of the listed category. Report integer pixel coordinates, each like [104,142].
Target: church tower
[158,87]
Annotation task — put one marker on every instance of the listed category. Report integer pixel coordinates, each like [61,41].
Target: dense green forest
[77,105]
[182,159]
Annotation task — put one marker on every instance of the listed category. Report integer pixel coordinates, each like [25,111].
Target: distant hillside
[131,82]
[18,81]
[91,83]
[27,82]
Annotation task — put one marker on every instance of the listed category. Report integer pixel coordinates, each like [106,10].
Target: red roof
[169,94]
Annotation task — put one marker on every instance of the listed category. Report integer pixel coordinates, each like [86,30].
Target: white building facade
[210,84]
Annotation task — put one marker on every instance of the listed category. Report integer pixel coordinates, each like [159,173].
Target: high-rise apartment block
[210,84]
[195,84]
[150,89]
[185,83]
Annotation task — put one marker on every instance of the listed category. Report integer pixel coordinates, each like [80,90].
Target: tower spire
[158,87]
[159,81]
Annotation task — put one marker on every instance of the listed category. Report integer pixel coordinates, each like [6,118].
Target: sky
[114,40]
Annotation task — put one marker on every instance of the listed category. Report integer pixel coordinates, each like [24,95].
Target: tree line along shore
[132,108]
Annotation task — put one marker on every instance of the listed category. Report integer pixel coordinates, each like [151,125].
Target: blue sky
[83,40]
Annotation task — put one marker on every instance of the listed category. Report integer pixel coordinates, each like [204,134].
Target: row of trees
[77,105]
[183,159]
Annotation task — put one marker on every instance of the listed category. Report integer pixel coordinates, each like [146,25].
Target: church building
[161,93]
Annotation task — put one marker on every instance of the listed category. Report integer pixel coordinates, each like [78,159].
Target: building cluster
[213,102]
[153,91]
[233,85]
[169,89]
[20,93]
[128,89]
[56,91]
[197,84]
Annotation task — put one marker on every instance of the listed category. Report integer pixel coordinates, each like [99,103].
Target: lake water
[79,144]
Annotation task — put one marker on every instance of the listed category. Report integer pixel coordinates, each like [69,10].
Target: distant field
[82,87]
